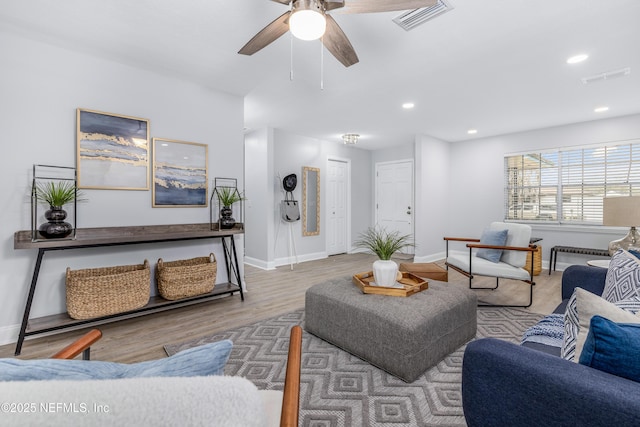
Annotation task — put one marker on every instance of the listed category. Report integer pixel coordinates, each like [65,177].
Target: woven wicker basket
[537,263]
[98,292]
[186,278]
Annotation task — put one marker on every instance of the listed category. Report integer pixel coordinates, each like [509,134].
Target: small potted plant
[56,194]
[227,196]
[384,244]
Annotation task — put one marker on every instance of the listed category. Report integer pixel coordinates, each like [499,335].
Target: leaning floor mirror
[310,201]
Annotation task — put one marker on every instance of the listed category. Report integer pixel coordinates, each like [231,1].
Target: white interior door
[394,197]
[336,223]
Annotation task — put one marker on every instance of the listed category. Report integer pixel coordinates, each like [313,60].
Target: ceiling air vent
[608,75]
[410,20]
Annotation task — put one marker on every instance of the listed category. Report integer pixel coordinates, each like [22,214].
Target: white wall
[476,189]
[290,153]
[259,181]
[41,88]
[432,197]
[402,152]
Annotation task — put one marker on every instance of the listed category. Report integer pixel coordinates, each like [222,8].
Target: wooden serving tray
[411,283]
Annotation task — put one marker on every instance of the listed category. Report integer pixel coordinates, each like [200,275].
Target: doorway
[338,210]
[394,197]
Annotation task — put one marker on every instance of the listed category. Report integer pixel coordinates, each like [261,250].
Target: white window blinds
[568,185]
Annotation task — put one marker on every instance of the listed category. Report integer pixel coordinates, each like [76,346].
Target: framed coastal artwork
[112,151]
[180,174]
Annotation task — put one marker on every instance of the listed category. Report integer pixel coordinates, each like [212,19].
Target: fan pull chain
[291,57]
[322,63]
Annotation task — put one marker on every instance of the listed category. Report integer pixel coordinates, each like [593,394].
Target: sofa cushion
[613,347]
[492,238]
[482,267]
[623,277]
[582,306]
[203,360]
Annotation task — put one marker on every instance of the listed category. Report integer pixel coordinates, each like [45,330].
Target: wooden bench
[553,258]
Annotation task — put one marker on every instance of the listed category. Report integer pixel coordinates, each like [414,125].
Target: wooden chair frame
[475,245]
[81,345]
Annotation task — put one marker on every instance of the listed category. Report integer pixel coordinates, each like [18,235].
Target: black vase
[226,221]
[56,227]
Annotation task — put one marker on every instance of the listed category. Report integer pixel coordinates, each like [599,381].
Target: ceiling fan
[309,20]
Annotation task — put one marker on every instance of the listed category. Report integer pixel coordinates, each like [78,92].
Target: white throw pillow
[582,306]
[623,277]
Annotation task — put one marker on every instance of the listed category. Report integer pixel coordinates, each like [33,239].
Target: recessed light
[577,58]
[472,131]
[601,109]
[408,105]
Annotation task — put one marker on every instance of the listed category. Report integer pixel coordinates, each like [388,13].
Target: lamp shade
[621,211]
[307,21]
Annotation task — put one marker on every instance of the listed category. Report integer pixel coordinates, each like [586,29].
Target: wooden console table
[115,236]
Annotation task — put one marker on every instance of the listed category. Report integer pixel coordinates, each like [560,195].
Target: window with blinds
[568,185]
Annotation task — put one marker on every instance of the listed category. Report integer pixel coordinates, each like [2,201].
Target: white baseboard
[9,334]
[429,258]
[258,263]
[301,258]
[278,262]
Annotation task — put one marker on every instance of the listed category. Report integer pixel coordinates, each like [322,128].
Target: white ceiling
[495,65]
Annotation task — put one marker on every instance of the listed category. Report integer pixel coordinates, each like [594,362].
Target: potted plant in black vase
[56,194]
[384,244]
[227,196]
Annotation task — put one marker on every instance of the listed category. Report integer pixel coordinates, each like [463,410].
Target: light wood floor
[270,293]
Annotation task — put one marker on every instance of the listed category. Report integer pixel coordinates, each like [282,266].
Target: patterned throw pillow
[623,277]
[582,306]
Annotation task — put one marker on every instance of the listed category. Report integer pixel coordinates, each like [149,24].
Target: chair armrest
[504,384]
[457,239]
[587,277]
[80,345]
[291,397]
[461,239]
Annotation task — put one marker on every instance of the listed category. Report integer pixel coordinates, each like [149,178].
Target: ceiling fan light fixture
[307,20]
[350,138]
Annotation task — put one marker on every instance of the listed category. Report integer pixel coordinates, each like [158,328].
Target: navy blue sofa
[505,384]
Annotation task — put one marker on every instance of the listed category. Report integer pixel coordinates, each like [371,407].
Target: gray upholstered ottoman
[405,336]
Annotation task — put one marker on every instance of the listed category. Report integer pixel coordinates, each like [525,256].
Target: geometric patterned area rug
[338,389]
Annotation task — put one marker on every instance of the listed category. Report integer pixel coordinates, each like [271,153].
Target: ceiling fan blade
[282,1]
[338,44]
[267,35]
[370,6]
[333,4]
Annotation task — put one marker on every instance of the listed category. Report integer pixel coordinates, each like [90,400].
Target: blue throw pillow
[613,347]
[208,359]
[635,252]
[493,238]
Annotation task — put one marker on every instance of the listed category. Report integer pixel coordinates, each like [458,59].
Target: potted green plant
[56,194]
[384,244]
[227,196]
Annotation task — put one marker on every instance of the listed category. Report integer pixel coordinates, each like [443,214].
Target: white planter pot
[385,273]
